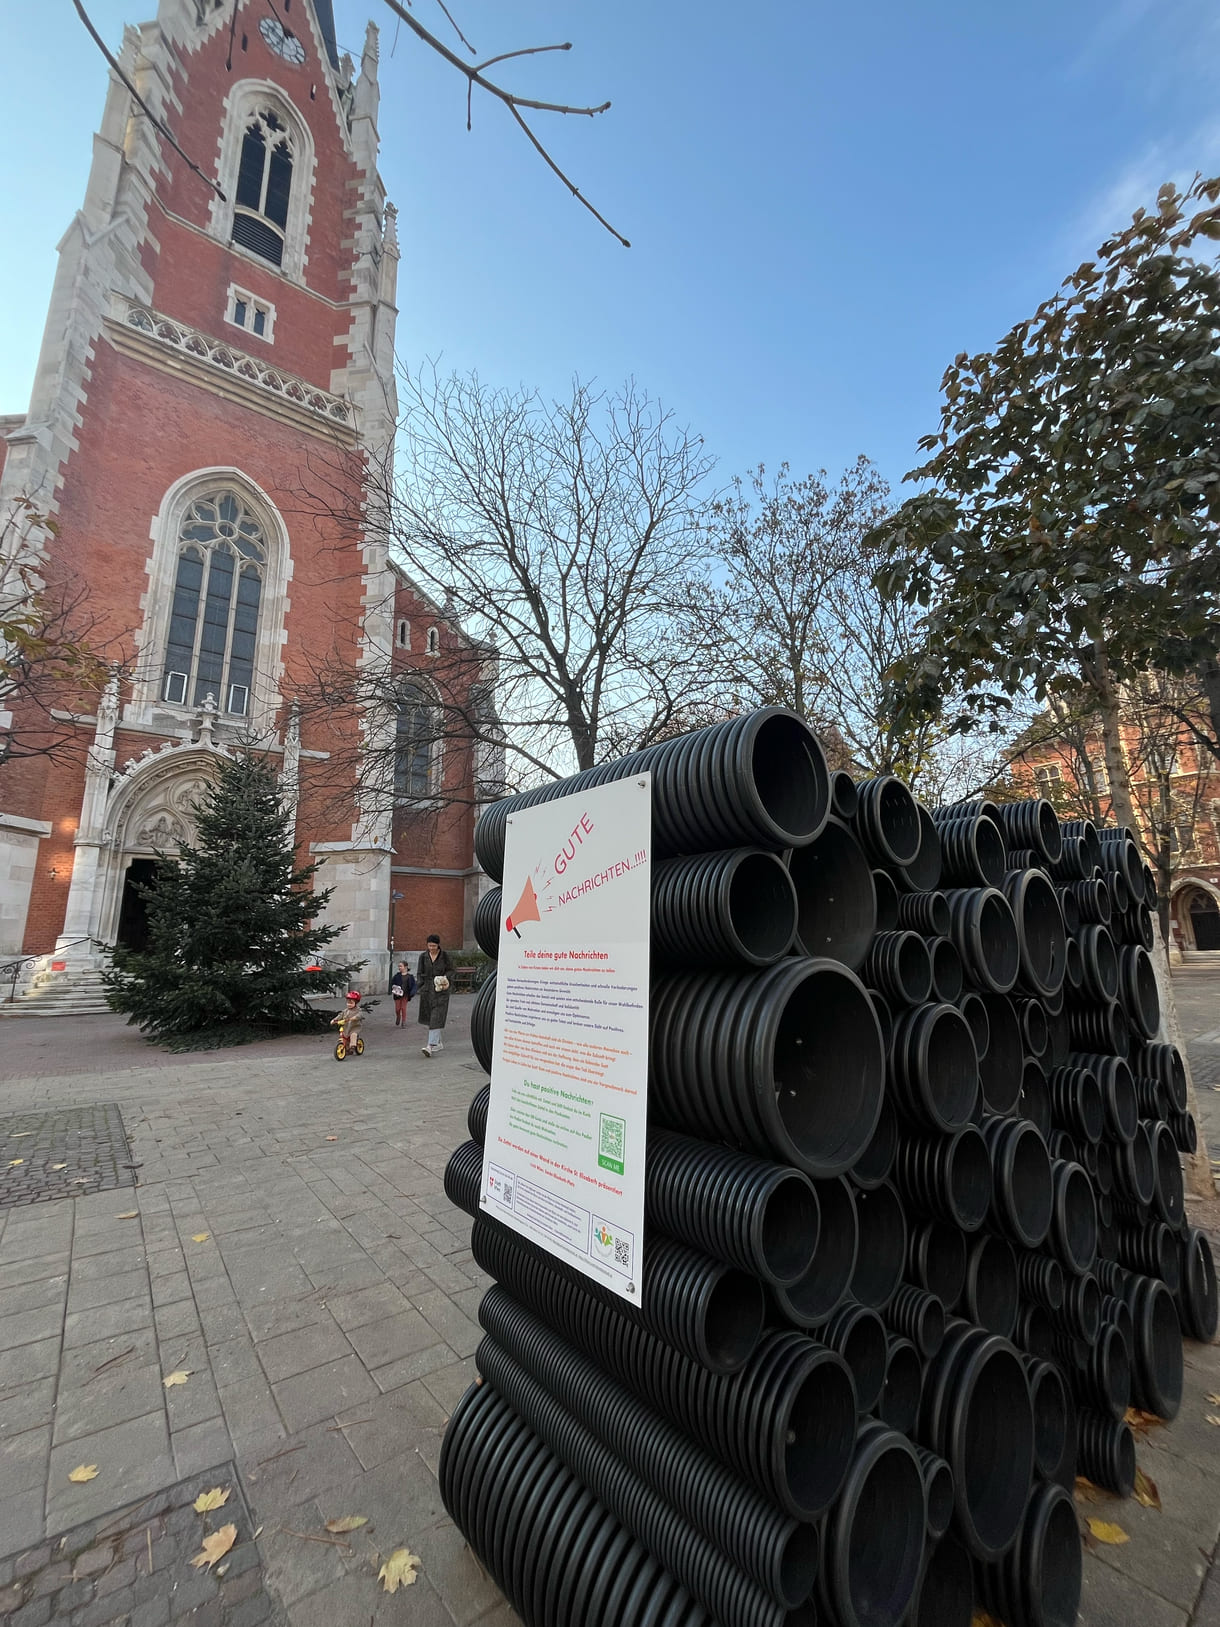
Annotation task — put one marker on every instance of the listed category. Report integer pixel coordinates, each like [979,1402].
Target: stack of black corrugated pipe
[916,1235]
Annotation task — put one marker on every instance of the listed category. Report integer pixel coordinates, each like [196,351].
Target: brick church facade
[210,354]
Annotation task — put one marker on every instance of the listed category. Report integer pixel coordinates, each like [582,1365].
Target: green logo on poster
[611,1140]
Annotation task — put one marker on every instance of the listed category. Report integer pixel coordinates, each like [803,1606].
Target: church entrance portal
[133,913]
[1205,921]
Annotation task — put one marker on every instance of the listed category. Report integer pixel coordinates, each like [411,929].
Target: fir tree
[229,940]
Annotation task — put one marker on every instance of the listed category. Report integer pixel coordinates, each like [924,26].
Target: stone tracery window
[213,625]
[415,743]
[264,184]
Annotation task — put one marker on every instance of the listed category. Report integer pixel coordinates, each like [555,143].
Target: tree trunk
[1122,802]
[1209,678]
[1197,1165]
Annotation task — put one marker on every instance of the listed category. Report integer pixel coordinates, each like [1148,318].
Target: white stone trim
[167,333]
[246,98]
[146,708]
[255,303]
[28,827]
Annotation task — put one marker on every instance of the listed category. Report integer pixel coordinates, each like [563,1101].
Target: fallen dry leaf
[215,1546]
[1145,1491]
[983,1618]
[13,1162]
[399,1570]
[129,1214]
[1214,1399]
[59,1166]
[208,1500]
[1210,1418]
[1088,1492]
[86,1471]
[349,1522]
[180,1377]
[200,1237]
[1106,1531]
[1136,1419]
[19,1135]
[332,1138]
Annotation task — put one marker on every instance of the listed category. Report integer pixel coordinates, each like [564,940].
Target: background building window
[404,635]
[264,183]
[1101,779]
[1046,777]
[433,642]
[256,316]
[213,624]
[415,744]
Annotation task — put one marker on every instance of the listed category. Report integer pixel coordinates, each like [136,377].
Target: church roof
[325,12]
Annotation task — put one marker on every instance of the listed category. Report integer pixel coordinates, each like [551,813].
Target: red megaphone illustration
[526,909]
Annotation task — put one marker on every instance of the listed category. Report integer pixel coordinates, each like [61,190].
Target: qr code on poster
[622,1253]
[611,1142]
[614,1247]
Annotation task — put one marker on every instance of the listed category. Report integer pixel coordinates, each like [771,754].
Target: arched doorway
[1204,919]
[132,930]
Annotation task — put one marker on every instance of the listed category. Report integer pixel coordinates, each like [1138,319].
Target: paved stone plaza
[289,1247]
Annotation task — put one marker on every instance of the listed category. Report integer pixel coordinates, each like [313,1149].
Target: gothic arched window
[415,743]
[264,182]
[213,622]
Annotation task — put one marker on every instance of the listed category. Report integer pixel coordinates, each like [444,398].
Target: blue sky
[825,202]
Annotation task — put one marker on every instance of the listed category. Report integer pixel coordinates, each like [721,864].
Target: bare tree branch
[514,103]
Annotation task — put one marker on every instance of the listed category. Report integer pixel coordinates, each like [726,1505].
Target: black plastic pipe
[1156,1378]
[1138,992]
[1092,899]
[476,1116]
[736,907]
[1076,1102]
[881,1252]
[487,922]
[843,798]
[1073,1233]
[1053,1413]
[1100,1028]
[938,1487]
[711,1312]
[946,1177]
[926,913]
[887,896]
[1038,1582]
[899,1403]
[974,1009]
[1002,1067]
[898,964]
[978,1415]
[973,851]
[1083,831]
[1105,1452]
[1081,1312]
[991,1296]
[1199,1300]
[887,821]
[785,1421]
[1041,938]
[948,973]
[778,1552]
[918,1316]
[936,1260]
[1035,1030]
[982,925]
[836,896]
[1099,964]
[923,873]
[1168,1194]
[755,780]
[945,1594]
[758,1216]
[483,1022]
[1035,1100]
[934,1070]
[1033,824]
[873,1537]
[786,1062]
[1165,1063]
[1021,1191]
[1118,1092]
[873,1165]
[859,1336]
[811,1299]
[1041,1279]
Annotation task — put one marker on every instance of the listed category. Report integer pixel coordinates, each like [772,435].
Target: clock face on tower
[280,41]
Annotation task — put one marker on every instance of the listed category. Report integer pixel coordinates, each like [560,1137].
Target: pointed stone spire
[368,92]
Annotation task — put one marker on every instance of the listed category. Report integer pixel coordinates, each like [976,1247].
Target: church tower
[214,355]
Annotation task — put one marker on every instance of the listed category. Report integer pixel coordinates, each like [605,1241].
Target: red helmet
[353,994]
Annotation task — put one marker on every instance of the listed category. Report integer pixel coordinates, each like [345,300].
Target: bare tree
[51,658]
[785,612]
[549,535]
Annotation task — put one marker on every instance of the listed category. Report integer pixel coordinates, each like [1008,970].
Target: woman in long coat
[434,963]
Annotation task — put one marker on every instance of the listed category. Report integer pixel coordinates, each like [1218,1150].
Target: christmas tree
[229,939]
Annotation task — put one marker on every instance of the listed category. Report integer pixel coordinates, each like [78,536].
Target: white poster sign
[563,1159]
